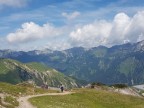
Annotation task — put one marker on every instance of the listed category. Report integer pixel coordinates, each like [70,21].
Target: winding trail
[24,103]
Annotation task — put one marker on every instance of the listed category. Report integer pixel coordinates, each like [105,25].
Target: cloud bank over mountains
[121,29]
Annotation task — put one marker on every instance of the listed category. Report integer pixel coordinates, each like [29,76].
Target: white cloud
[119,27]
[91,34]
[71,16]
[122,29]
[13,3]
[31,31]
[135,28]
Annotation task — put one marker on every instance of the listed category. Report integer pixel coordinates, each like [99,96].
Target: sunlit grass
[11,100]
[22,89]
[88,98]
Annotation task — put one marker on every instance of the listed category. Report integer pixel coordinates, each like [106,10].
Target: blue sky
[62,24]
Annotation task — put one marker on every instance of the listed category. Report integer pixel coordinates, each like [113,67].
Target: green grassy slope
[88,98]
[9,71]
[52,76]
[14,72]
[39,67]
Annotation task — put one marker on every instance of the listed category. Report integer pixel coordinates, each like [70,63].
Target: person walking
[62,88]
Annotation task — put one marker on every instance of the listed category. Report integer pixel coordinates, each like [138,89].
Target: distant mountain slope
[118,64]
[14,72]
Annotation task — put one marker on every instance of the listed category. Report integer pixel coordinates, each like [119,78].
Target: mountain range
[117,64]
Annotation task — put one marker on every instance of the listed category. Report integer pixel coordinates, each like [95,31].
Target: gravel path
[24,103]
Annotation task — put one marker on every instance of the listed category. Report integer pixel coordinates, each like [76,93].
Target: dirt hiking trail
[24,103]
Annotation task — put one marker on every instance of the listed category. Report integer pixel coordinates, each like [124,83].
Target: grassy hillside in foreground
[21,89]
[12,89]
[9,92]
[89,98]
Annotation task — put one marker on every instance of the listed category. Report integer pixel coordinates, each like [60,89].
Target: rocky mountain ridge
[117,64]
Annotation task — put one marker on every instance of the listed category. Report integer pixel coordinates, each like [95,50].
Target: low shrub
[120,85]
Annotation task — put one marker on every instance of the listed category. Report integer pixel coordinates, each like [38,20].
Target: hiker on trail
[46,86]
[62,88]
